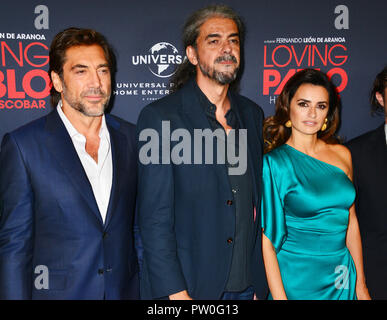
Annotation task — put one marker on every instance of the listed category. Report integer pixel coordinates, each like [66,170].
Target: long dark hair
[275,132]
[190,34]
[75,37]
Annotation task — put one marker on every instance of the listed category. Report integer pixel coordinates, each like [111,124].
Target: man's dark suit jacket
[186,221]
[49,216]
[369,157]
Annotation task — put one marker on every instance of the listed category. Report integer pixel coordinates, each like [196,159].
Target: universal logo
[162,60]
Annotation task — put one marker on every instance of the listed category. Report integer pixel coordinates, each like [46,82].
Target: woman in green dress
[311,240]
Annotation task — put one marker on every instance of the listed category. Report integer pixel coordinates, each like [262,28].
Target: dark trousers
[247,294]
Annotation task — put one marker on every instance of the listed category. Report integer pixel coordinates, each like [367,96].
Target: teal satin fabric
[305,215]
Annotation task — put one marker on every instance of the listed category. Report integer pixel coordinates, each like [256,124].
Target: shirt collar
[70,128]
[210,109]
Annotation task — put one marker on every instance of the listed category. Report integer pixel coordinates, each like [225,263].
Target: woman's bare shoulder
[342,155]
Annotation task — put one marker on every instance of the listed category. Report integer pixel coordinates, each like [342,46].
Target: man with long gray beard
[199,220]
[68,186]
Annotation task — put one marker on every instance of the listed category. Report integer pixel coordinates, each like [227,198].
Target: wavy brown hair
[275,132]
[72,37]
[191,31]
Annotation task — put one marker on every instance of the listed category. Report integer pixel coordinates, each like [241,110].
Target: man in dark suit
[369,157]
[68,186]
[196,204]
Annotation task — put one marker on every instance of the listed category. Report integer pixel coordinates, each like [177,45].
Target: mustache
[226,57]
[94,91]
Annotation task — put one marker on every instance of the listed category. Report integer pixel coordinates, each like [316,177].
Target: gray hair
[191,32]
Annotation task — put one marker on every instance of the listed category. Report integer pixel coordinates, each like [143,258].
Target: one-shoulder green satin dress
[305,215]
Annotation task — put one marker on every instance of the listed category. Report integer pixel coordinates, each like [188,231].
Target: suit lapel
[61,147]
[119,159]
[252,140]
[380,143]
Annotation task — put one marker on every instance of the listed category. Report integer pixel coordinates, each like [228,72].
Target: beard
[221,77]
[97,109]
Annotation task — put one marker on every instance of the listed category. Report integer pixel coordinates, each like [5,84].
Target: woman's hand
[362,292]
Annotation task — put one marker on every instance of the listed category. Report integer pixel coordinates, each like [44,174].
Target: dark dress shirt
[241,187]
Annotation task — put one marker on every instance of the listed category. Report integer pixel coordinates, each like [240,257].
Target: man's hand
[182,295]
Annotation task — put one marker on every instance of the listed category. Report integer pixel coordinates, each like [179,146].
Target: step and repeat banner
[346,39]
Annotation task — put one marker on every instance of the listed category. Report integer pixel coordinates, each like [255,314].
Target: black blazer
[369,158]
[185,217]
[49,216]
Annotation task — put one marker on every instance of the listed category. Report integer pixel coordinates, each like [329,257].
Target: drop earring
[324,126]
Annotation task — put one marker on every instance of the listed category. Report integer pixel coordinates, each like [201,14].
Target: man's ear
[190,52]
[56,81]
[379,97]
